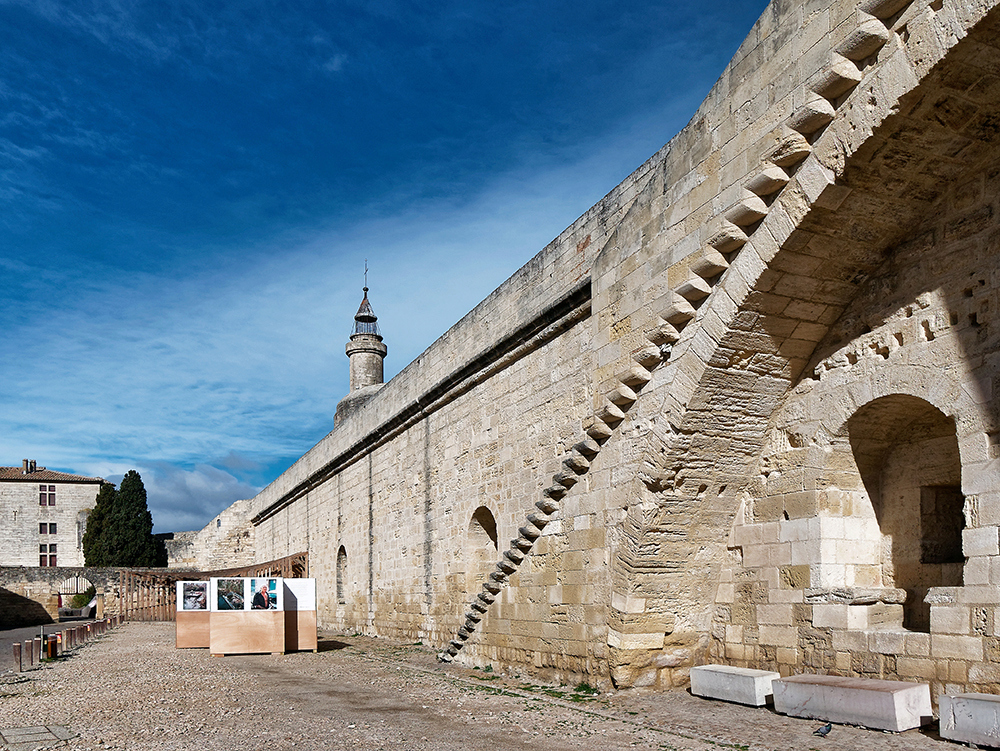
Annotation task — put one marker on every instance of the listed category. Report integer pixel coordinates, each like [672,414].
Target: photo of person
[230,594]
[264,594]
[195,596]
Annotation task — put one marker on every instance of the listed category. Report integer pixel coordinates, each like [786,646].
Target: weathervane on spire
[366,275]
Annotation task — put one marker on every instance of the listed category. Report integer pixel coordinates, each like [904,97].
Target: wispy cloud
[191,190]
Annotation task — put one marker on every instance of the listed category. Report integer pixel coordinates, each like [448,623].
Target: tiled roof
[8,474]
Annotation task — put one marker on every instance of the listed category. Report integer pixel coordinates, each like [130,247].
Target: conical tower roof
[365,322]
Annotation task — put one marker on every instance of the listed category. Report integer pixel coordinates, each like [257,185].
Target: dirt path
[133,690]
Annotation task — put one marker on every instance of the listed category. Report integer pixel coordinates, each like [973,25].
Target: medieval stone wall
[417,517]
[226,542]
[746,372]
[868,541]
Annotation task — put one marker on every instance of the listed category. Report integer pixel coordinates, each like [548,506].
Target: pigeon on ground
[821,732]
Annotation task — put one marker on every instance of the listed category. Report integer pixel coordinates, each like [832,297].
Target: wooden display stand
[192,629]
[247,632]
[192,615]
[220,615]
[300,631]
[300,615]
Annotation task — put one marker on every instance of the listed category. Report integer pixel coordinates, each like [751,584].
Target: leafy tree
[95,552]
[123,529]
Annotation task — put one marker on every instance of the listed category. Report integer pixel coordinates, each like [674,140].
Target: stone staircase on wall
[824,94]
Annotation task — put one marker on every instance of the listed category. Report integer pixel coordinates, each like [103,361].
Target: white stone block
[971,718]
[728,683]
[883,705]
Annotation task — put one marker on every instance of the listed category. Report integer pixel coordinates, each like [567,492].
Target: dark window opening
[341,574]
[941,524]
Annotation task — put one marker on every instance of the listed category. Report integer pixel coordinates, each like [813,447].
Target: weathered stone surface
[883,705]
[762,372]
[971,718]
[728,683]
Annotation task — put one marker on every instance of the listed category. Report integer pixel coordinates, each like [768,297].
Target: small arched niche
[907,454]
[480,548]
[341,575]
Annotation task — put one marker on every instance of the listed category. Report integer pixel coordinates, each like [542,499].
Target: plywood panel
[300,630]
[192,629]
[247,632]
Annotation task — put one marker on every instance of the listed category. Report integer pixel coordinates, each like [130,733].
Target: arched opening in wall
[480,548]
[341,575]
[907,454]
[76,597]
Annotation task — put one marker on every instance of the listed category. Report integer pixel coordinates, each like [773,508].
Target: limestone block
[981,541]
[867,39]
[956,647]
[728,683]
[768,181]
[830,615]
[882,705]
[839,77]
[887,642]
[949,619]
[971,718]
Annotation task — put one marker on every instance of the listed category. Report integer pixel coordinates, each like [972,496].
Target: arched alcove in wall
[341,575]
[907,454]
[481,548]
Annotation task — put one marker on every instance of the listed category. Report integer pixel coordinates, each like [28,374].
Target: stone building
[45,515]
[744,409]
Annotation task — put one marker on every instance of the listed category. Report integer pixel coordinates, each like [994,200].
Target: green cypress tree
[94,551]
[129,528]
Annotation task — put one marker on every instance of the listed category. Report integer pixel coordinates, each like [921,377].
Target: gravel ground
[132,690]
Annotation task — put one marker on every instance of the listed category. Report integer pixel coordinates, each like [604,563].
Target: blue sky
[189,192]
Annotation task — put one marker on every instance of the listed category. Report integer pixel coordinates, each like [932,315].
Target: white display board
[232,593]
[300,594]
[192,596]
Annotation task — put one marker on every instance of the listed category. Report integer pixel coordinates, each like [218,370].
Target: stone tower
[366,352]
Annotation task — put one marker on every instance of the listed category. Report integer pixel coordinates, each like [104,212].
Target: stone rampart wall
[226,542]
[658,356]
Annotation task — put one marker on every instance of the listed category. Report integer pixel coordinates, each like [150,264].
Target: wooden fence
[151,595]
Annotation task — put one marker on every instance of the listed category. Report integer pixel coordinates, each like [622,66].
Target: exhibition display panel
[192,615]
[247,615]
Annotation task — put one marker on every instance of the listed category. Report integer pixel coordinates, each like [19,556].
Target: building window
[52,548]
[43,560]
[52,560]
[43,528]
[52,528]
[43,548]
[46,495]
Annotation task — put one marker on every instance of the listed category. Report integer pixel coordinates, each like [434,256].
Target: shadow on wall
[17,611]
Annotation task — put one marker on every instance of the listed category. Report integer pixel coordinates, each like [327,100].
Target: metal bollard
[50,647]
[17,656]
[29,653]
[36,647]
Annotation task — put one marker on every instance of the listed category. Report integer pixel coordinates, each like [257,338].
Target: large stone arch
[888,153]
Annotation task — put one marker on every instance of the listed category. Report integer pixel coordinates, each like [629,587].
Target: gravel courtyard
[132,690]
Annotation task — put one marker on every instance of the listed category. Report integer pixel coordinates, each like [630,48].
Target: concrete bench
[883,705]
[740,685]
[971,718]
